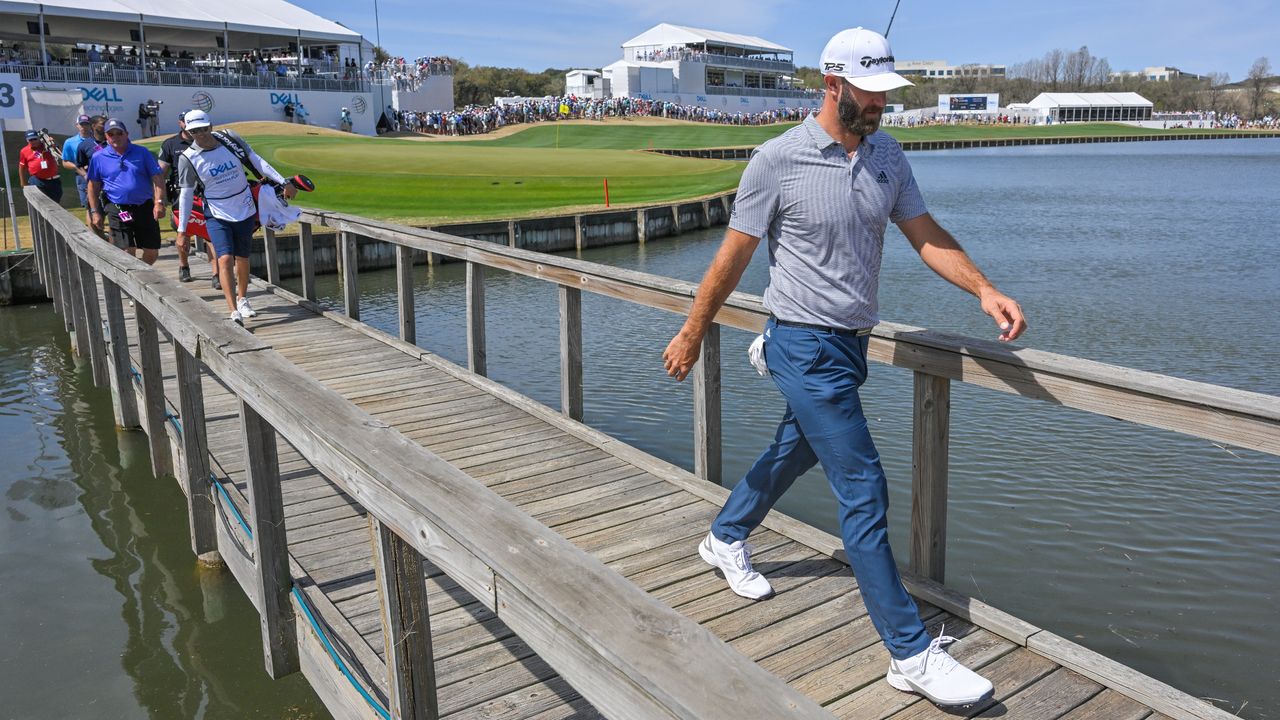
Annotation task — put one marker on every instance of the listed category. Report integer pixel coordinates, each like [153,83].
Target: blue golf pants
[819,372]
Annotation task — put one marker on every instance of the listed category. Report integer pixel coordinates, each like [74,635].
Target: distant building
[1159,73]
[940,69]
[1091,107]
[586,84]
[692,66]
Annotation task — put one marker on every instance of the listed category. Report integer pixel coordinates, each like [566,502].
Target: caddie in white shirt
[229,208]
[822,194]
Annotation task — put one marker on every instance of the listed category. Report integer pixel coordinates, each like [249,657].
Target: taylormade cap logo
[863,58]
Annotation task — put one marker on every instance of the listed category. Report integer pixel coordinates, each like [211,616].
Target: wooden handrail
[624,651]
[1213,412]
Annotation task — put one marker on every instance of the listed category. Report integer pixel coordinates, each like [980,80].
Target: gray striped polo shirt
[824,215]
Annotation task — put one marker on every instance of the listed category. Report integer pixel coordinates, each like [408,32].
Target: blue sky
[1198,36]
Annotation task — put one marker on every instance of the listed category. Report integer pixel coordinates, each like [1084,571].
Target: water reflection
[96,573]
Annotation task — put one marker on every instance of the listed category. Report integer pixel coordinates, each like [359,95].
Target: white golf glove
[755,353]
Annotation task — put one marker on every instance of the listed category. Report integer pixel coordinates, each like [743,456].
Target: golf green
[433,182]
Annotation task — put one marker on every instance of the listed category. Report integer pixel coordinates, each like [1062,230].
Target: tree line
[1082,71]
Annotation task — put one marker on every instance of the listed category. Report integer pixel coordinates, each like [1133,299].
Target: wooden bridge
[422,542]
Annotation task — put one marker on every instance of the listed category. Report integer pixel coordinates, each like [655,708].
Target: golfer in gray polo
[822,194]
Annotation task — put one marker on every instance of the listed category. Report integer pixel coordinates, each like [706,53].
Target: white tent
[1092,107]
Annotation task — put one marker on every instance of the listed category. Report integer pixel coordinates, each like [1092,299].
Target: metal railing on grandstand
[762,92]
[195,76]
[734,61]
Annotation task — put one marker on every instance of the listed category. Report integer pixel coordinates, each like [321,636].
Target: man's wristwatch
[94,210]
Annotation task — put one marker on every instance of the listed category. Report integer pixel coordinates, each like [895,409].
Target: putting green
[622,135]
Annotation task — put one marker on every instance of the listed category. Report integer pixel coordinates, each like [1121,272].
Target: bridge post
[931,420]
[307,262]
[476,356]
[64,284]
[571,352]
[641,227]
[93,317]
[270,547]
[406,626]
[50,240]
[153,392]
[675,219]
[706,214]
[42,253]
[577,232]
[80,319]
[124,402]
[195,456]
[511,233]
[404,294]
[707,440]
[271,251]
[350,286]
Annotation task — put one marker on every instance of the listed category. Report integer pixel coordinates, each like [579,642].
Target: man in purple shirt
[126,185]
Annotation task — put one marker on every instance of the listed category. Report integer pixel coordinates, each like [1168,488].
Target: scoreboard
[969,104]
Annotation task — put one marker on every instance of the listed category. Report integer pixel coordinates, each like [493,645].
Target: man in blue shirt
[126,181]
[84,124]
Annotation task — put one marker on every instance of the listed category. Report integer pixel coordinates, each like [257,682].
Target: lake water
[1159,550]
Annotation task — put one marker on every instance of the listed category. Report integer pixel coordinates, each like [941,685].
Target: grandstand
[708,68]
[243,60]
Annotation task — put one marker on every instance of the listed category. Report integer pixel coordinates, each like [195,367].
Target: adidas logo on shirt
[882,178]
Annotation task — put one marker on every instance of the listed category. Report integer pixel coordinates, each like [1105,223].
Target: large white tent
[1075,107]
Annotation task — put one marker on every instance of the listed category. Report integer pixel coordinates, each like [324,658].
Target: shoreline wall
[558,233]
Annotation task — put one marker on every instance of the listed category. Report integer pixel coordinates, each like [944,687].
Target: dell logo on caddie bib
[219,169]
[867,61]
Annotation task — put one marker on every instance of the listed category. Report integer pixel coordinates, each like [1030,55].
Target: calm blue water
[1159,550]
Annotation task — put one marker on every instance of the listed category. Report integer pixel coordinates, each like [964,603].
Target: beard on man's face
[853,117]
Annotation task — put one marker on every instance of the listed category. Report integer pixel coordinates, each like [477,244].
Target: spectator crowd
[480,119]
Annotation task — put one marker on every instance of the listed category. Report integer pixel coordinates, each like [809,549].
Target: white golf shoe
[936,675]
[245,310]
[734,560]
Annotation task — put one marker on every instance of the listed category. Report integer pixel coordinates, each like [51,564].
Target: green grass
[427,183]
[640,136]
[679,136]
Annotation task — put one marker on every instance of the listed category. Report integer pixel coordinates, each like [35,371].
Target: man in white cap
[822,193]
[218,163]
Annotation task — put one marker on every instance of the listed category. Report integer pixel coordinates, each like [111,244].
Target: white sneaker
[936,675]
[734,560]
[237,318]
[242,305]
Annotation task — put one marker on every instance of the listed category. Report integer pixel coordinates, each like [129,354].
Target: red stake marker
[606,192]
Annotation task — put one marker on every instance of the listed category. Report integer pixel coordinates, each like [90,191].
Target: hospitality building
[708,68]
[238,59]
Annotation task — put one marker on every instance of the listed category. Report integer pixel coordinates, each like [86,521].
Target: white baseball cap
[198,119]
[862,57]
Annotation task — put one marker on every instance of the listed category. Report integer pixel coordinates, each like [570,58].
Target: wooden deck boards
[814,633]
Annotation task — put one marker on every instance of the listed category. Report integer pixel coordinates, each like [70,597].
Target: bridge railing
[624,651]
[1212,412]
